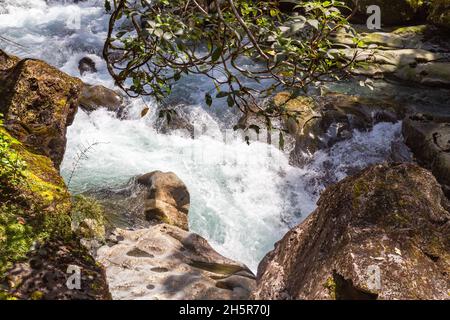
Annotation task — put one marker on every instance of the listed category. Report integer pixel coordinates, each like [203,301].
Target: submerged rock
[428,137]
[381,234]
[38,102]
[178,122]
[165,262]
[86,64]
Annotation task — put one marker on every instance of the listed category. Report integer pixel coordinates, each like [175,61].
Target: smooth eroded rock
[165,262]
[381,234]
[166,198]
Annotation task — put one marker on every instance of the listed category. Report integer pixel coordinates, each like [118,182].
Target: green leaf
[314,23]
[208,99]
[107,6]
[230,101]
[216,54]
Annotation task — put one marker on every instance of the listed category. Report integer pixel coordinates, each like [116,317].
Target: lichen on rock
[381,234]
[38,102]
[36,240]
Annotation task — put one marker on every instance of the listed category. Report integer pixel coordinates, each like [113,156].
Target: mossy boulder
[42,182]
[37,244]
[381,234]
[38,102]
[35,225]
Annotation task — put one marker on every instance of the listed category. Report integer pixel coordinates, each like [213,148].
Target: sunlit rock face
[39,102]
[381,234]
[166,262]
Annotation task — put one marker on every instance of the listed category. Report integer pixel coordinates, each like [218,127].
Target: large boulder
[37,246]
[381,234]
[166,198]
[38,102]
[428,137]
[166,262]
[154,256]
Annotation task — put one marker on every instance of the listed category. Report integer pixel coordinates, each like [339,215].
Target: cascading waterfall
[244,197]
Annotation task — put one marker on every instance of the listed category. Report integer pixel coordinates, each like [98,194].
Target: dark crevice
[345,290]
[432,257]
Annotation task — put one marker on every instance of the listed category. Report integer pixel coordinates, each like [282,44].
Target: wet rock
[94,97]
[428,137]
[320,122]
[165,262]
[38,102]
[166,198]
[381,234]
[86,64]
[178,122]
[435,74]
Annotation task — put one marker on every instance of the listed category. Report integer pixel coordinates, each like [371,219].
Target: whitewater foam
[244,197]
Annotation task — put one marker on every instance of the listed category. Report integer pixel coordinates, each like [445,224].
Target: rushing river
[243,197]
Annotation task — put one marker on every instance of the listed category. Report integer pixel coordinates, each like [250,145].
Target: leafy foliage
[87,208]
[152,45]
[16,236]
[11,165]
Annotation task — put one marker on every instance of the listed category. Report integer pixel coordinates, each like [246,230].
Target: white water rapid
[243,197]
